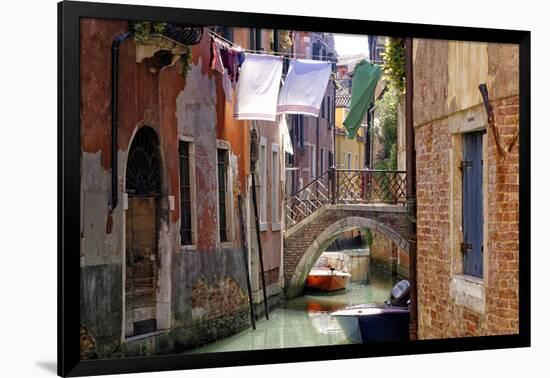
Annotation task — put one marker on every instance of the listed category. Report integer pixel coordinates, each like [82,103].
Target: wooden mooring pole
[260,251]
[245,261]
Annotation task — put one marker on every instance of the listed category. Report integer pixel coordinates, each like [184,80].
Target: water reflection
[306,320]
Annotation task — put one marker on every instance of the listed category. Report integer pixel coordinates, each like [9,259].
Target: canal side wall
[447,103]
[358,264]
[385,255]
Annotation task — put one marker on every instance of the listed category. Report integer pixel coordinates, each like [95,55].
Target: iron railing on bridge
[348,186]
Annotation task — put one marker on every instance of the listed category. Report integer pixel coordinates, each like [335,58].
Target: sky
[349,44]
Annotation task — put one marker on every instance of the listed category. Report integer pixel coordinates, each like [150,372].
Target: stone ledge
[372,207]
[469,292]
[148,335]
[376,207]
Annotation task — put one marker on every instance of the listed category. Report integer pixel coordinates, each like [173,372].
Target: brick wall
[503,226]
[271,277]
[383,252]
[439,311]
[223,298]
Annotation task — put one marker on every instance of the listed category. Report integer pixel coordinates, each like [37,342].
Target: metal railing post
[333,184]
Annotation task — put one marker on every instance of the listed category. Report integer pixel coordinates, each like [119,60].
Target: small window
[263,180]
[329,111]
[349,160]
[322,161]
[313,162]
[275,179]
[227,32]
[222,193]
[316,51]
[356,161]
[185,194]
[323,104]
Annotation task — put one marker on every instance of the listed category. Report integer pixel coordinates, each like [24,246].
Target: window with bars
[185,194]
[222,193]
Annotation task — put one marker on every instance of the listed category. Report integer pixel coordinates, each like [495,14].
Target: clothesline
[288,56]
[256,81]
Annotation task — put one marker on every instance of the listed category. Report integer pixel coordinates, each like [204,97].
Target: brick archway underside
[305,241]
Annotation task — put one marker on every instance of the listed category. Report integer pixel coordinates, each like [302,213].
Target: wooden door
[141,265]
[472,203]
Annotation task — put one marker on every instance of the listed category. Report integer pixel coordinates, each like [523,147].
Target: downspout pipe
[114,115]
[411,185]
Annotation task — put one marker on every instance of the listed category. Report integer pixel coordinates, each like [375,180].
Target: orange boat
[329,273]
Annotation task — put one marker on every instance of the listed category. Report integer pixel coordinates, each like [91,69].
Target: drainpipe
[114,116]
[411,185]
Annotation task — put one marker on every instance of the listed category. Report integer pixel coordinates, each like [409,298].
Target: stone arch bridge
[333,203]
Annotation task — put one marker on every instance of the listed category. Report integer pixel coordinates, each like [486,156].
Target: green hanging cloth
[365,78]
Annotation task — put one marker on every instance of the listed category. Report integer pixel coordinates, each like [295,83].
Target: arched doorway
[143,187]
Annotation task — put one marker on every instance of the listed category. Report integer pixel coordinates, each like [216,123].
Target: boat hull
[370,324]
[327,282]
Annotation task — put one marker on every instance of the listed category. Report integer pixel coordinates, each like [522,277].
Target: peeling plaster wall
[172,106]
[196,117]
[101,260]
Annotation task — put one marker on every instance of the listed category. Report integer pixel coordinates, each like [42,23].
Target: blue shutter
[472,203]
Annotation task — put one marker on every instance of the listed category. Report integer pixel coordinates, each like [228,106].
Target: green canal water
[306,321]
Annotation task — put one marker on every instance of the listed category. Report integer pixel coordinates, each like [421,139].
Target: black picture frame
[69,14]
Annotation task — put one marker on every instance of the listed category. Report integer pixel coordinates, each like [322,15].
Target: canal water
[306,321]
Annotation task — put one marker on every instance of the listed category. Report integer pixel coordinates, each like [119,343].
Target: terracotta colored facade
[447,105]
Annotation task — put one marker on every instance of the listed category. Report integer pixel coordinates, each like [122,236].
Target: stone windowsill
[469,292]
[189,247]
[227,245]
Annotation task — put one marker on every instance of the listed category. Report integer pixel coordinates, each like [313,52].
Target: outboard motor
[399,296]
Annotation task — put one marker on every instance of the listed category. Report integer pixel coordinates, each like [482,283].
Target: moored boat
[329,273]
[385,322]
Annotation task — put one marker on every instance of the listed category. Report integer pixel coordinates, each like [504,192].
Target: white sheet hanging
[287,142]
[258,87]
[304,88]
